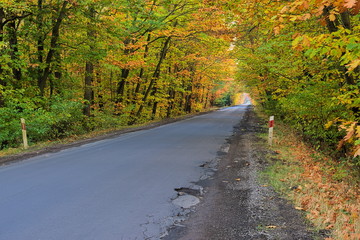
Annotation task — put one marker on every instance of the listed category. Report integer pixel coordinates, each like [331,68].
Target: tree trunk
[89,67]
[331,25]
[88,94]
[171,99]
[155,75]
[188,102]
[13,42]
[121,86]
[125,72]
[2,23]
[40,42]
[53,44]
[345,19]
[155,103]
[141,74]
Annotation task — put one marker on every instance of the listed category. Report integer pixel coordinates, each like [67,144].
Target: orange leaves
[350,3]
[328,203]
[301,42]
[295,10]
[306,16]
[352,65]
[357,151]
[352,130]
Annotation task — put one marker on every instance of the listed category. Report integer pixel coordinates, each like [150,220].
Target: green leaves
[306,73]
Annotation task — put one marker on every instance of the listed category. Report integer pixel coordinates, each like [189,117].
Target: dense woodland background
[69,67]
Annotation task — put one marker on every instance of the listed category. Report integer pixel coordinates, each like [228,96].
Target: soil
[235,203]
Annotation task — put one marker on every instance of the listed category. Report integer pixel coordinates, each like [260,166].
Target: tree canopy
[73,66]
[300,60]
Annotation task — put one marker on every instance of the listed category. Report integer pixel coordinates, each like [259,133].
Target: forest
[75,66]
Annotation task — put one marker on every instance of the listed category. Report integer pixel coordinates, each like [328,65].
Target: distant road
[114,189]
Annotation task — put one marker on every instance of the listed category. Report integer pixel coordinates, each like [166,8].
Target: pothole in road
[186,201]
[190,191]
[188,197]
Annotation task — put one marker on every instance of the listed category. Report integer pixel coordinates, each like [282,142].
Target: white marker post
[271,130]
[23,127]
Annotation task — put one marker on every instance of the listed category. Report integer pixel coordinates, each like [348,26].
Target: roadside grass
[325,189]
[47,144]
[36,146]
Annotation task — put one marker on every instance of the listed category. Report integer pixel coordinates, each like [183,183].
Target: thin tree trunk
[89,67]
[155,76]
[53,44]
[13,41]
[331,25]
[2,83]
[125,72]
[121,86]
[2,24]
[40,42]
[171,100]
[155,103]
[141,74]
[345,19]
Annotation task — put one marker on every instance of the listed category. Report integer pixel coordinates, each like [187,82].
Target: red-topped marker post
[271,130]
[23,127]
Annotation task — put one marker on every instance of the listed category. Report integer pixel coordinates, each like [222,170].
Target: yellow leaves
[306,16]
[354,64]
[284,9]
[329,124]
[332,17]
[301,42]
[357,151]
[278,28]
[352,130]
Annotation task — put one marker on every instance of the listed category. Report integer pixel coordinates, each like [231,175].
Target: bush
[309,109]
[44,121]
[223,101]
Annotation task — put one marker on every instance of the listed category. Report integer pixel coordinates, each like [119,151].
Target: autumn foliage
[326,190]
[300,60]
[70,67]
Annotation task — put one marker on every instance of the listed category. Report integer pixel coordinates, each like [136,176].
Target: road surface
[120,188]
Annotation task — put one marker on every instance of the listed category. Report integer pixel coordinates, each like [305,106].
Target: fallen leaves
[329,204]
[271,227]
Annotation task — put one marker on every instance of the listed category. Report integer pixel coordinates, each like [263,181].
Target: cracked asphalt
[236,204]
[126,187]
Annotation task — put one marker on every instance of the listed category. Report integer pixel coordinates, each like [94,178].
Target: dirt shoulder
[236,204]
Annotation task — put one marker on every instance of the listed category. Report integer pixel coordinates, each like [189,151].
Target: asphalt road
[120,188]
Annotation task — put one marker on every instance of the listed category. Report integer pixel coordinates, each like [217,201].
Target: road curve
[120,188]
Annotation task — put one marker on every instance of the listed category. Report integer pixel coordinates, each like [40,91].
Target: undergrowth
[326,189]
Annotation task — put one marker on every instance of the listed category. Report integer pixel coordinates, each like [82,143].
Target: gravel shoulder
[235,203]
